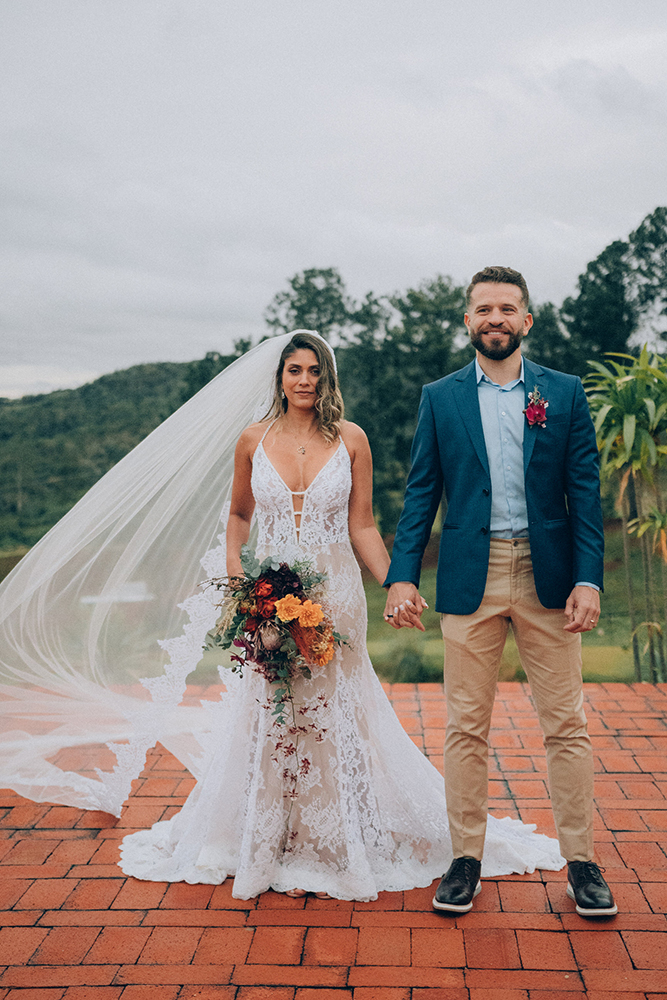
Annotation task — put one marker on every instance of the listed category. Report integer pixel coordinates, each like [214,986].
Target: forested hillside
[54,447]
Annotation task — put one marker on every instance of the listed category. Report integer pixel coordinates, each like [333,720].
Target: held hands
[404,606]
[582,610]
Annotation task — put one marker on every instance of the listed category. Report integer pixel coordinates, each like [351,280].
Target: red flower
[263,588]
[266,607]
[536,411]
[250,624]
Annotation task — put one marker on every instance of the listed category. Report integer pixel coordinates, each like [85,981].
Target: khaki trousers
[551,659]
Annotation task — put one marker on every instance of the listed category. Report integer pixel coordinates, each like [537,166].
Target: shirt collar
[479,374]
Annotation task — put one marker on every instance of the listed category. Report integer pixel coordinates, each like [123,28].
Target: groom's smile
[497,319]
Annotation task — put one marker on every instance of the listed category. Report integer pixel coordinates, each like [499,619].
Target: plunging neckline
[299,493]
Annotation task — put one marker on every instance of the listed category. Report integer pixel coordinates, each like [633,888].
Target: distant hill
[55,446]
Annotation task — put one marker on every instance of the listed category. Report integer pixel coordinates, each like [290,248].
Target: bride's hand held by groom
[404,606]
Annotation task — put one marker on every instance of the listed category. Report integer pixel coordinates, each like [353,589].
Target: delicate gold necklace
[301,448]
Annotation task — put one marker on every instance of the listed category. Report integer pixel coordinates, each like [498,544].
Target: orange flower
[323,637]
[325,656]
[303,638]
[310,614]
[288,608]
[263,587]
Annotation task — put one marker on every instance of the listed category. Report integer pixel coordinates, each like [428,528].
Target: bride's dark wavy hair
[330,407]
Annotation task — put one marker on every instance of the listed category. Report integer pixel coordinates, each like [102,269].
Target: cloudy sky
[166,165]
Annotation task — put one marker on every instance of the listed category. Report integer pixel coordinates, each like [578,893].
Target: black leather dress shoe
[458,886]
[589,890]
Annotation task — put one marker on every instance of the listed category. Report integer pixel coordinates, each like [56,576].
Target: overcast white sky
[166,165]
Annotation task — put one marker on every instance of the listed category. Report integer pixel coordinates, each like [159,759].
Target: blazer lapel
[532,375]
[465,394]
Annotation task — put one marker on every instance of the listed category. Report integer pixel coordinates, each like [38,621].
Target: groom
[511,448]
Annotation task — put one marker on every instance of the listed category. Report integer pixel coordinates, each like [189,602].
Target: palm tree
[628,401]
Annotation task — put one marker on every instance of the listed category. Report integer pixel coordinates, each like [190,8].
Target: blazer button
[485,492]
[484,531]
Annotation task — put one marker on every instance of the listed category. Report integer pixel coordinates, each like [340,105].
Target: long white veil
[89,677]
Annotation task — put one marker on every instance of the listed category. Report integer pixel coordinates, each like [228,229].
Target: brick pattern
[74,927]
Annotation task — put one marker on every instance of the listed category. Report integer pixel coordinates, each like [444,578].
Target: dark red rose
[266,607]
[536,413]
[251,624]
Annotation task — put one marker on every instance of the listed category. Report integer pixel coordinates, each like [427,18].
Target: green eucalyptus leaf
[249,563]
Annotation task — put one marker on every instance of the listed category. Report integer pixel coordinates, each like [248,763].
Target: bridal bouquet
[270,618]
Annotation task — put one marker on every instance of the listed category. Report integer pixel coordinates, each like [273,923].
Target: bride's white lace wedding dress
[369,814]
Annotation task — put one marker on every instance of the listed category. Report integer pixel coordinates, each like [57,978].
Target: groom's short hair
[500,276]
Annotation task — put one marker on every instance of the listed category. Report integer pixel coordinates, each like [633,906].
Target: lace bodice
[322,535]
[325,504]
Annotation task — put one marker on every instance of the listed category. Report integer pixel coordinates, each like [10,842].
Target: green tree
[199,373]
[602,317]
[366,367]
[395,347]
[426,334]
[646,278]
[315,300]
[621,297]
[548,342]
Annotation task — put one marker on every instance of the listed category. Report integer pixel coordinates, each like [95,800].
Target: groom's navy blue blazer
[562,484]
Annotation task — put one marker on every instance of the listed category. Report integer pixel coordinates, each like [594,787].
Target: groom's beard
[496,345]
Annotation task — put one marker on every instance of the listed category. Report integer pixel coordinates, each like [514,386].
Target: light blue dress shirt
[501,408]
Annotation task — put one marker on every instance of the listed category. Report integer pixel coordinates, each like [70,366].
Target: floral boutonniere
[536,411]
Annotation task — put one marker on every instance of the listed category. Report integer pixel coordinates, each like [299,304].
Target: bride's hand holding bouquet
[273,617]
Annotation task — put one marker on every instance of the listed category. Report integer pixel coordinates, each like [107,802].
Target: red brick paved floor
[74,927]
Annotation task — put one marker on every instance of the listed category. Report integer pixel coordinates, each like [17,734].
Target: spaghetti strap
[261,440]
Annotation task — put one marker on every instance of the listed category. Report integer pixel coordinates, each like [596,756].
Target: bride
[87,692]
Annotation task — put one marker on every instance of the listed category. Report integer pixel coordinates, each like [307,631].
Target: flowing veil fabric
[102,621]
